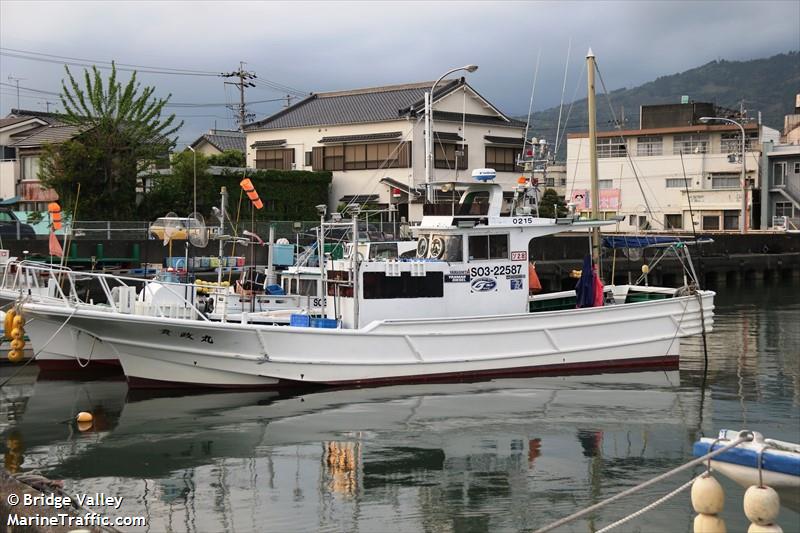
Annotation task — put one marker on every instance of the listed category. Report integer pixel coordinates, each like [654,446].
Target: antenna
[13,79]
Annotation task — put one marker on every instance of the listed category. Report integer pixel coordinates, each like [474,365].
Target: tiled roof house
[373,140]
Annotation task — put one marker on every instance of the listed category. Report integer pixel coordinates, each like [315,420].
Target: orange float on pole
[250,191]
[55,214]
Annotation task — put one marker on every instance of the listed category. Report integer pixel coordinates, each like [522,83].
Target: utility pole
[12,79]
[243,75]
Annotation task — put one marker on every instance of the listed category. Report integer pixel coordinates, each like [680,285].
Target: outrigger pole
[595,193]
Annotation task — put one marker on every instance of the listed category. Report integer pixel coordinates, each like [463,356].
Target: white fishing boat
[779,463]
[458,310]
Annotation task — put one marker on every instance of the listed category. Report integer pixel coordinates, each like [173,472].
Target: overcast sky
[320,46]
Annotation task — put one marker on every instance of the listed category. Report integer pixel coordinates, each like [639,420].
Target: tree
[121,132]
[228,158]
[549,199]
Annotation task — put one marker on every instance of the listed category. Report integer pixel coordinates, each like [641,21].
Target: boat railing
[28,277]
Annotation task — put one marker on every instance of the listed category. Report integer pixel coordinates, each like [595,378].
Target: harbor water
[501,455]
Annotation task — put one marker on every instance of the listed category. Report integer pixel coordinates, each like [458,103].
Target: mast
[595,193]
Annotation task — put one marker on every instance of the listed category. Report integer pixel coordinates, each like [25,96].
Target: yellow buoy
[709,523]
[84,426]
[707,495]
[15,356]
[757,528]
[17,333]
[761,505]
[17,344]
[18,321]
[83,416]
[8,323]
[645,269]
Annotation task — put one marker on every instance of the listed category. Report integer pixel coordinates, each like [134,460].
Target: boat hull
[174,352]
[69,349]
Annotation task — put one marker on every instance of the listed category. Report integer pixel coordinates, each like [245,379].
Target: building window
[550,182]
[676,183]
[7,153]
[30,167]
[450,156]
[488,246]
[364,156]
[649,146]
[308,159]
[730,220]
[503,159]
[611,147]
[673,221]
[278,159]
[797,168]
[783,209]
[779,174]
[691,143]
[711,222]
[731,143]
[725,181]
[605,184]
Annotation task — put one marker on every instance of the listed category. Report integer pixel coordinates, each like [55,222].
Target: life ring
[422,247]
[437,247]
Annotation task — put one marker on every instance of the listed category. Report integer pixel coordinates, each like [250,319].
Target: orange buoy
[84,416]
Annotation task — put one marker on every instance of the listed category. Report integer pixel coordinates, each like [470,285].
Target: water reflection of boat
[201,454]
[45,433]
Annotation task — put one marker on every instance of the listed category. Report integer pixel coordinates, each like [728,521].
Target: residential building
[19,123]
[674,172]
[373,141]
[217,141]
[33,196]
[780,195]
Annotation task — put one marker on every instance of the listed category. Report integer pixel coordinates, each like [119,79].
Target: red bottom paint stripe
[623,365]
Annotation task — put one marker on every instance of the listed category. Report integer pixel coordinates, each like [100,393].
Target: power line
[79,62]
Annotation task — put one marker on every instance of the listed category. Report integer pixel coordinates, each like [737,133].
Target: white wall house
[12,128]
[373,141]
[656,176]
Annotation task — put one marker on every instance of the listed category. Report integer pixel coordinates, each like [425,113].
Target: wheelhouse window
[611,147]
[692,143]
[379,286]
[450,156]
[503,159]
[277,159]
[649,145]
[488,247]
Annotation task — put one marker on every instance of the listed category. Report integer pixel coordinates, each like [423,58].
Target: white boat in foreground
[461,309]
[780,463]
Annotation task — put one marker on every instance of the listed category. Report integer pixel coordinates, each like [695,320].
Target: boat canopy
[646,241]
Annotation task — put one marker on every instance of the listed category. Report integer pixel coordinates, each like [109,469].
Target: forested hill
[768,85]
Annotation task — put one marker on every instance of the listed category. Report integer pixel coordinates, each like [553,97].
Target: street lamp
[429,126]
[742,216]
[194,178]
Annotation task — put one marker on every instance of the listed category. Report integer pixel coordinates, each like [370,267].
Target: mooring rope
[745,436]
[650,507]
